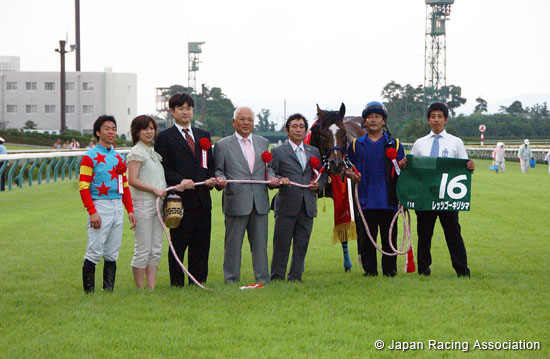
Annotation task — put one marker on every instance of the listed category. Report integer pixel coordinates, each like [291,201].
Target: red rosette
[314,162]
[391,153]
[120,168]
[205,143]
[267,157]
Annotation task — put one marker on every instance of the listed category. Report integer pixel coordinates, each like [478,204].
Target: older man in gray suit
[246,206]
[295,207]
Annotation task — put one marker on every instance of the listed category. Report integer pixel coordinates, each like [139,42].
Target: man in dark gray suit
[295,207]
[246,206]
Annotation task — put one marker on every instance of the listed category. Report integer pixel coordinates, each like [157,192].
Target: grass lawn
[22,147]
[332,314]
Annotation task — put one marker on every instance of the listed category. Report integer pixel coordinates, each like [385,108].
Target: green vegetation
[407,115]
[332,314]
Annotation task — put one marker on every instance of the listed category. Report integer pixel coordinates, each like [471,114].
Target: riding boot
[88,279]
[109,273]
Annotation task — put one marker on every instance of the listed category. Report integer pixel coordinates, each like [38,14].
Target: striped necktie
[189,140]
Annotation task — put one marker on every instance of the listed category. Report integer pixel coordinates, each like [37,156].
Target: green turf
[332,314]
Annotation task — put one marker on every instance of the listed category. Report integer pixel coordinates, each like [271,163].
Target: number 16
[453,184]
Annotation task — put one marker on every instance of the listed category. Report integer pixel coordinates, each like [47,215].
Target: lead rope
[200,184]
[406,228]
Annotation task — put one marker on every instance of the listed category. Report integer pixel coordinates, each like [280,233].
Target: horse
[331,134]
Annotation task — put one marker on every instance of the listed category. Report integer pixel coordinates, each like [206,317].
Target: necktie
[435,147]
[299,155]
[189,140]
[249,151]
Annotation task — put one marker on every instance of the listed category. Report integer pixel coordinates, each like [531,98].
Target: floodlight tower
[435,58]
[194,50]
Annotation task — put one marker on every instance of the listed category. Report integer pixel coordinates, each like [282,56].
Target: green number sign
[435,184]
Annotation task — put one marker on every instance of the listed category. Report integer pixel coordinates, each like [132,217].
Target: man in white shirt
[438,143]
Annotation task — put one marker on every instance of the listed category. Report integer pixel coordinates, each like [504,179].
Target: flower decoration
[266,157]
[391,153]
[121,168]
[205,145]
[314,162]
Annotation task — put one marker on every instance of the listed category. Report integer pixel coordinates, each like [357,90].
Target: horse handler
[376,156]
[104,189]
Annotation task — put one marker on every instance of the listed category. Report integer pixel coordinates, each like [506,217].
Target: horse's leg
[347,261]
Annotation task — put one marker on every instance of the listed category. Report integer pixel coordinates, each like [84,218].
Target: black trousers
[193,233]
[451,228]
[376,218]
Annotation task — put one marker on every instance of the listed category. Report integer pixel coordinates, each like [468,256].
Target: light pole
[62,86]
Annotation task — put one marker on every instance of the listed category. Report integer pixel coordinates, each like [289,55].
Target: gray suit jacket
[285,164]
[238,198]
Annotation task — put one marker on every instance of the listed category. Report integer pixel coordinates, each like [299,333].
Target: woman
[147,182]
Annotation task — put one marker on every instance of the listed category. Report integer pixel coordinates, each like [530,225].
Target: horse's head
[329,135]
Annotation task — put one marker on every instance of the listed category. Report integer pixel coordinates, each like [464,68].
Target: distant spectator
[524,155]
[547,159]
[66,145]
[91,144]
[75,145]
[57,144]
[499,157]
[3,151]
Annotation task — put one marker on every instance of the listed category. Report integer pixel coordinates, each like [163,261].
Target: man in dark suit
[295,207]
[182,160]
[239,157]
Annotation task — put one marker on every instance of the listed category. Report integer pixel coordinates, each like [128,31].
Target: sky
[261,53]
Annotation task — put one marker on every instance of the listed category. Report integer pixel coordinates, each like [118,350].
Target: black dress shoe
[370,274]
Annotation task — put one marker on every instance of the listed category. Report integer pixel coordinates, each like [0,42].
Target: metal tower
[194,50]
[435,58]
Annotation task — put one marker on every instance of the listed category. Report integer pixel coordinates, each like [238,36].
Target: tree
[29,125]
[264,125]
[481,106]
[515,108]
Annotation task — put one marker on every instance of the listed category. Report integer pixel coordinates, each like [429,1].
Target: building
[34,96]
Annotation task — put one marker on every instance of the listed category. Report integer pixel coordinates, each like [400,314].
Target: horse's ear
[319,111]
[342,112]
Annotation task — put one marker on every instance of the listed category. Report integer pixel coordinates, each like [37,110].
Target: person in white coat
[547,159]
[524,155]
[499,155]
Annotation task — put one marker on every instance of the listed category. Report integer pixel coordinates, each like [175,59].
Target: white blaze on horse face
[334,129]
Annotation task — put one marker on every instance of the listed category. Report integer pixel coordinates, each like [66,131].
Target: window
[11,108]
[128,110]
[69,109]
[87,86]
[69,86]
[49,86]
[30,86]
[11,85]
[129,89]
[31,108]
[49,108]
[87,108]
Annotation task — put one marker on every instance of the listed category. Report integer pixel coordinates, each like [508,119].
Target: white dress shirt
[180,128]
[449,146]
[302,152]
[241,143]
